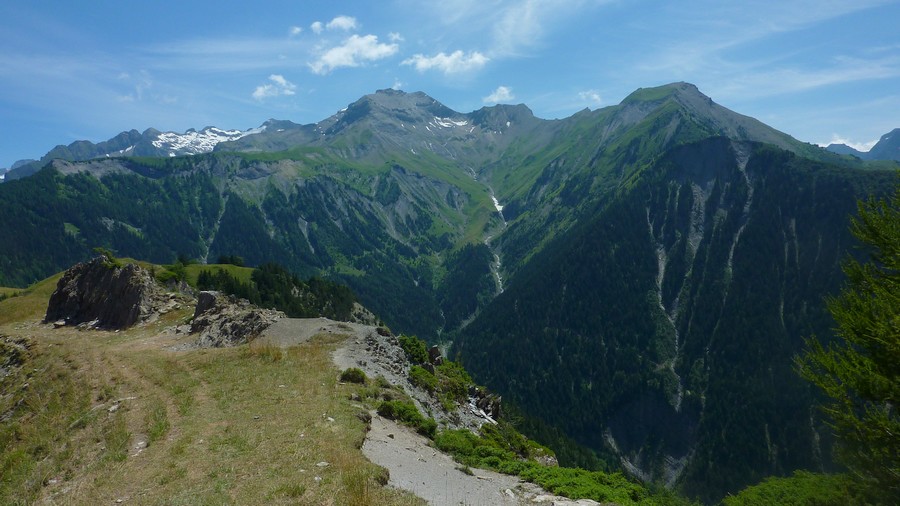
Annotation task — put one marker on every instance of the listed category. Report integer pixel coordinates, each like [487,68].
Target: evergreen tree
[860,372]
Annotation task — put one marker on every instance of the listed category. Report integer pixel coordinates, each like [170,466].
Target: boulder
[105,294]
[224,320]
[434,355]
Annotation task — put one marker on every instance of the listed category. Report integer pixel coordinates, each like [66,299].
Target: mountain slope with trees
[637,278]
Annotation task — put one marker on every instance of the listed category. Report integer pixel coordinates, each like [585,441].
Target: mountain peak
[681,90]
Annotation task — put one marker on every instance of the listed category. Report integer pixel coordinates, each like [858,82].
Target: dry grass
[109,416]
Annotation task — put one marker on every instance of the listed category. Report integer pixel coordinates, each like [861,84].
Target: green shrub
[456,442]
[415,349]
[353,375]
[803,488]
[420,377]
[382,382]
[406,413]
[454,380]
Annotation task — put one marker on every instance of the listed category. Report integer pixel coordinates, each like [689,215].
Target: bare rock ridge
[104,294]
[224,320]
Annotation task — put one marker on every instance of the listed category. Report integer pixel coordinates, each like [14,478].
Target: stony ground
[414,465]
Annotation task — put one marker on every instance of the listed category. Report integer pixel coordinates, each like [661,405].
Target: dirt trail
[432,475]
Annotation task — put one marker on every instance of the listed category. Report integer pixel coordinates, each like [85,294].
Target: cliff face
[105,295]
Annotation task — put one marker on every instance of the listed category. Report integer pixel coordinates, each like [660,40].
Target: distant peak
[390,91]
[658,93]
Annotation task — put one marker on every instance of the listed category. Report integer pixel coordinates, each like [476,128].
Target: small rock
[322,464]
[330,419]
[113,408]
[391,435]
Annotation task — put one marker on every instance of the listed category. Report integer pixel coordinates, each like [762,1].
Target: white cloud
[512,27]
[397,84]
[859,146]
[501,94]
[453,63]
[590,96]
[395,37]
[278,87]
[317,27]
[352,53]
[295,30]
[342,23]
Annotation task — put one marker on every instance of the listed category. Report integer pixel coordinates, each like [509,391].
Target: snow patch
[447,122]
[193,142]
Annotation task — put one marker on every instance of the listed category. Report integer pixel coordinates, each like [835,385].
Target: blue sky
[819,70]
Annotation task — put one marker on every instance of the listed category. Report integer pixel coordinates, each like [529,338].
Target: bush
[420,377]
[801,488]
[406,413]
[455,381]
[353,375]
[415,349]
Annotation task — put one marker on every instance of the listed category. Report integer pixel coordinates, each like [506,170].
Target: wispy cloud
[724,26]
[353,52]
[501,94]
[140,84]
[748,83]
[591,97]
[221,54]
[277,87]
[317,27]
[453,63]
[295,31]
[514,27]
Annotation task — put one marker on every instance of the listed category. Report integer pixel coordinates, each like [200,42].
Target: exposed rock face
[105,295]
[378,353]
[224,320]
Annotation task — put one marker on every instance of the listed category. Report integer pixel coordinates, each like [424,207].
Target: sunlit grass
[111,416]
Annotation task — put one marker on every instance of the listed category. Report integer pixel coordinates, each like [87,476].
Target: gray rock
[224,320]
[103,294]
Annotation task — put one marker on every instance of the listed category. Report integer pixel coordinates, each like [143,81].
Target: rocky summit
[104,294]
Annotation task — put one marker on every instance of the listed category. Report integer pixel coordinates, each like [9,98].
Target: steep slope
[887,148]
[638,276]
[664,324]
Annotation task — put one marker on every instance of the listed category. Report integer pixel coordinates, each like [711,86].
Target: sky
[822,71]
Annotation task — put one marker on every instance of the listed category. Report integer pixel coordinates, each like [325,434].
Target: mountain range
[636,279]
[887,148]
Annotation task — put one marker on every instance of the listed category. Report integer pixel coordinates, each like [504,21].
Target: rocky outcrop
[224,320]
[105,294]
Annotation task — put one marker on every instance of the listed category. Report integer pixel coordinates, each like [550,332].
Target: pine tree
[860,371]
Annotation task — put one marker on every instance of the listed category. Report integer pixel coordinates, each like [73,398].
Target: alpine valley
[636,280]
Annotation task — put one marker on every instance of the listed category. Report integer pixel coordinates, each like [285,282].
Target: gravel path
[413,464]
[288,332]
[430,474]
